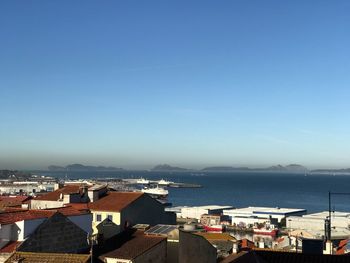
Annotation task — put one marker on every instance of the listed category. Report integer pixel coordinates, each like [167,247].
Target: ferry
[164,182]
[142,181]
[156,192]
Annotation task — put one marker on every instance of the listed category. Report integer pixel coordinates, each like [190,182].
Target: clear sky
[190,83]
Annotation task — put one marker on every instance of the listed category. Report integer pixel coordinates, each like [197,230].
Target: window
[110,217]
[98,218]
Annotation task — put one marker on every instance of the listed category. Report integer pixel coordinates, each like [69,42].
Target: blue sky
[190,83]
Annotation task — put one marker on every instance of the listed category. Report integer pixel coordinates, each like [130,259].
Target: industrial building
[196,212]
[315,223]
[251,215]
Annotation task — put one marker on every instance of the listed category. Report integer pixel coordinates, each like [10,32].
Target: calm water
[245,189]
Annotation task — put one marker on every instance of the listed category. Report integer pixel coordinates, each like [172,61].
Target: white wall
[193,212]
[43,204]
[248,220]
[83,221]
[5,234]
[28,227]
[309,223]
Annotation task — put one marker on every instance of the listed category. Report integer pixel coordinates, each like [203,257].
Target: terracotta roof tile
[10,247]
[12,216]
[55,195]
[115,201]
[133,245]
[342,247]
[31,257]
[13,201]
[216,236]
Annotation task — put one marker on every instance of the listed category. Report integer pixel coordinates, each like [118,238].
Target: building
[133,246]
[268,256]
[58,198]
[195,212]
[57,234]
[171,233]
[194,248]
[214,219]
[316,221]
[16,201]
[223,242]
[125,209]
[18,225]
[26,187]
[251,215]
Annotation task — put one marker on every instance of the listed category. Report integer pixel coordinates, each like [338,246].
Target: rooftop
[13,216]
[209,207]
[115,201]
[55,195]
[32,257]
[216,236]
[267,210]
[10,247]
[10,201]
[133,244]
[325,214]
[282,257]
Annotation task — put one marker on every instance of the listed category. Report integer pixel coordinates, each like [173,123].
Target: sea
[242,189]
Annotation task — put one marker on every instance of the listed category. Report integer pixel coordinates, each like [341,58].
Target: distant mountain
[292,168]
[289,168]
[345,171]
[56,168]
[80,167]
[168,168]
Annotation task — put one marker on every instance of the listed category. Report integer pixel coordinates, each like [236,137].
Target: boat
[268,230]
[214,228]
[142,181]
[156,192]
[164,182]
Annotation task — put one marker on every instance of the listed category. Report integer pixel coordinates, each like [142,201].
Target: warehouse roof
[266,210]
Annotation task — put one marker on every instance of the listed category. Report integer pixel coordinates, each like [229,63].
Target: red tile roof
[55,195]
[12,216]
[115,201]
[11,201]
[247,244]
[342,247]
[10,247]
[79,206]
[134,245]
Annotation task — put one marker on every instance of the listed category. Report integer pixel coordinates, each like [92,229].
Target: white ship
[164,182]
[142,181]
[156,192]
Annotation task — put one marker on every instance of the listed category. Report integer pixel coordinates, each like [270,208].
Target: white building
[27,187]
[197,211]
[258,214]
[316,221]
[17,225]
